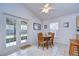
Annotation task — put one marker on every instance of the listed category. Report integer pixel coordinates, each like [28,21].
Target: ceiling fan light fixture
[46,8]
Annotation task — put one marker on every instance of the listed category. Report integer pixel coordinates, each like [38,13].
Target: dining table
[46,38]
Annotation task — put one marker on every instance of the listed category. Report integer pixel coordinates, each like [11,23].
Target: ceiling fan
[46,7]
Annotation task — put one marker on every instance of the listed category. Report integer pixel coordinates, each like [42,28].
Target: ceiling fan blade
[46,5]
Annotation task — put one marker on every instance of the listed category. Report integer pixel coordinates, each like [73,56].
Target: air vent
[77,29]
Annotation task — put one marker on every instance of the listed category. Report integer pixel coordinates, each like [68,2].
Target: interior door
[23,30]
[16,31]
[10,31]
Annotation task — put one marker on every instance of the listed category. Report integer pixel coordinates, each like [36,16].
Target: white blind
[54,28]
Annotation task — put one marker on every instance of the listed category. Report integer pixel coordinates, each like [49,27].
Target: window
[23,31]
[10,32]
[54,28]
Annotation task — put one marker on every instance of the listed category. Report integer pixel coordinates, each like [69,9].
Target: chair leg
[71,51]
[51,44]
[38,45]
[43,46]
[78,50]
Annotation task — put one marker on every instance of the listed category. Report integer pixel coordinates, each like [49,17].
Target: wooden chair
[51,41]
[41,41]
[74,44]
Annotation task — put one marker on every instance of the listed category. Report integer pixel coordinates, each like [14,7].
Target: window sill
[10,44]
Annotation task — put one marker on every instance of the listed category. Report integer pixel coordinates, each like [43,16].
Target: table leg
[46,45]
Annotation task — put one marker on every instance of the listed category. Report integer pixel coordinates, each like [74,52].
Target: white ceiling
[61,9]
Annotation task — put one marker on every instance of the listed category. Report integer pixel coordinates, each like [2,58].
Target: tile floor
[57,50]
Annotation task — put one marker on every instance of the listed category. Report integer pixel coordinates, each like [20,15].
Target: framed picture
[66,24]
[36,26]
[45,26]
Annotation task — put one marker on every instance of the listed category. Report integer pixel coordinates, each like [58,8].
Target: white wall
[21,11]
[64,34]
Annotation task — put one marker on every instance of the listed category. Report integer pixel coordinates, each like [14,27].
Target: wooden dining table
[46,38]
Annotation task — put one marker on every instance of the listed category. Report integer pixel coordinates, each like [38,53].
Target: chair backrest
[52,35]
[49,33]
[40,39]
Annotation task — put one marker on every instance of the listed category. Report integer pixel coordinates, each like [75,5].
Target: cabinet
[77,21]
